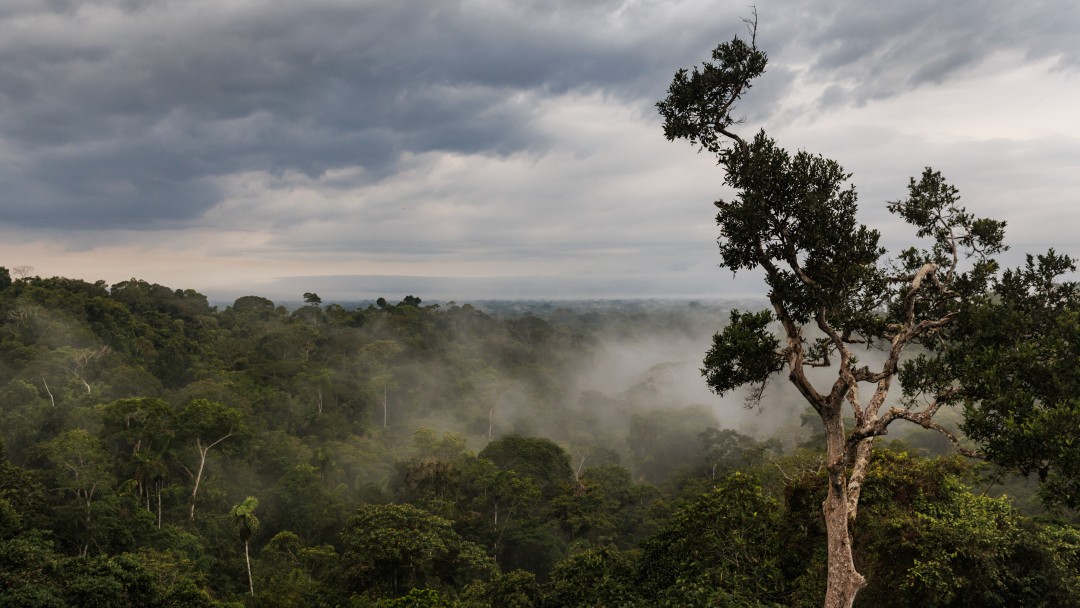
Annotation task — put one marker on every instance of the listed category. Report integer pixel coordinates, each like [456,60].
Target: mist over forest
[504,304]
[160,450]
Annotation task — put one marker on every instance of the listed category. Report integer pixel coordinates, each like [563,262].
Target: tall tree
[246,524]
[206,424]
[832,291]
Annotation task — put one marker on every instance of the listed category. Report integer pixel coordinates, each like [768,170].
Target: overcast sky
[494,148]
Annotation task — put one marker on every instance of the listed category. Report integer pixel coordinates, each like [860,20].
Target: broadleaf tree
[836,293]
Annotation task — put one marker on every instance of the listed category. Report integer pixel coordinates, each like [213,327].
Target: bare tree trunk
[82,359]
[52,399]
[844,580]
[581,464]
[247,558]
[203,451]
[384,406]
[75,371]
[198,475]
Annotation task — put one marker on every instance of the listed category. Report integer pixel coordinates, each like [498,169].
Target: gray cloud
[474,130]
[883,49]
[115,107]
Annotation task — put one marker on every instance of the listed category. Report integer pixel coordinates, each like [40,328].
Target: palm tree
[243,517]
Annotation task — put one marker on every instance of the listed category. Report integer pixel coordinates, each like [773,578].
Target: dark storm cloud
[119,113]
[123,113]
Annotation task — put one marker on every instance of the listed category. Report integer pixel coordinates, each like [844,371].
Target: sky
[495,148]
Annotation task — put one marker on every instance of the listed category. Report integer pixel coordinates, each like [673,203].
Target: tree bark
[844,580]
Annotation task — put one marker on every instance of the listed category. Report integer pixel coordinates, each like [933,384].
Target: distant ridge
[461,289]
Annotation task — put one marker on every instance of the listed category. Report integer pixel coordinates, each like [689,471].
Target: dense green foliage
[421,455]
[1019,360]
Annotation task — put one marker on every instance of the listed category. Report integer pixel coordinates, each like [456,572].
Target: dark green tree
[292,573]
[390,549]
[926,539]
[594,577]
[604,507]
[956,548]
[21,497]
[728,536]
[514,589]
[539,459]
[299,503]
[1018,356]
[80,468]
[140,431]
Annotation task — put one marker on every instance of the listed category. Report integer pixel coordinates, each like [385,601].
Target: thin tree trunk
[89,500]
[581,465]
[75,372]
[384,406]
[52,399]
[202,465]
[247,558]
[198,475]
[844,580]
